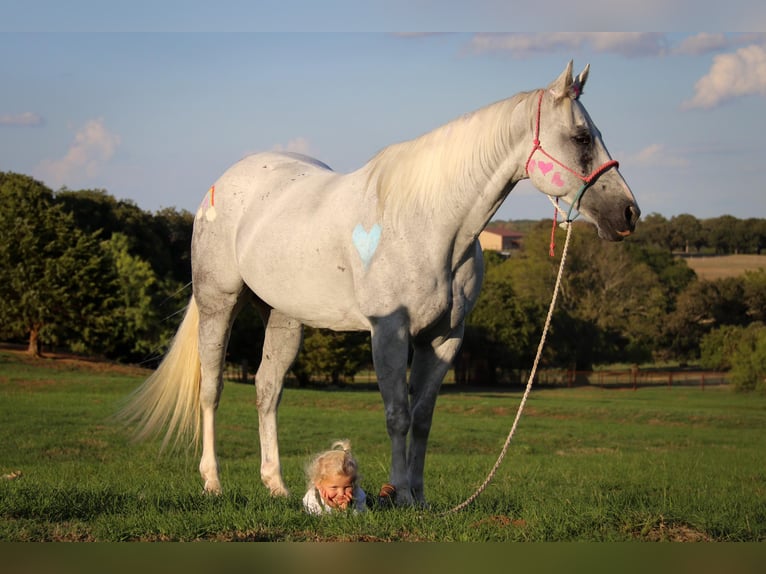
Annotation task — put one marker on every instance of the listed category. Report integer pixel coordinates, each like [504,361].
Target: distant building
[501,240]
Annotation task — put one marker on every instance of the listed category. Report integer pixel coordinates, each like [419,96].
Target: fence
[238,372]
[616,378]
[630,378]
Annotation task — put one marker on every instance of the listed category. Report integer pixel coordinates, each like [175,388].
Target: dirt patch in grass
[664,532]
[71,533]
[307,536]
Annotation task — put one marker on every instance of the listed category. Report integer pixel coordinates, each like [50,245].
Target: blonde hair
[337,460]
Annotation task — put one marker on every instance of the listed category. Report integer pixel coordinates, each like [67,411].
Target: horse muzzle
[618,224]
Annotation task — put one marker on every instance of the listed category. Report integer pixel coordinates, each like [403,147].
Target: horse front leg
[390,345]
[281,344]
[430,364]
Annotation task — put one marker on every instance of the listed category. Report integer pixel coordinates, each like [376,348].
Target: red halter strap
[536,145]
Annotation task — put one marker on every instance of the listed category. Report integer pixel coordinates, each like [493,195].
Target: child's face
[336,490]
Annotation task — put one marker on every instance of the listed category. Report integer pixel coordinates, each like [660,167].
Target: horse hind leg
[217,314]
[282,341]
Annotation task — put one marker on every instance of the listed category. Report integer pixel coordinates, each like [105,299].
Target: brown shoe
[387,496]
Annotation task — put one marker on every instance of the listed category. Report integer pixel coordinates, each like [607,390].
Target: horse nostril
[632,213]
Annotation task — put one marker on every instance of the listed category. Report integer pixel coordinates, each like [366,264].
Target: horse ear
[560,88]
[579,82]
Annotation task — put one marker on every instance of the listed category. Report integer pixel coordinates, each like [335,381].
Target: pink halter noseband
[587,180]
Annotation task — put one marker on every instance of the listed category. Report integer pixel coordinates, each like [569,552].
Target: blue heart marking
[366,242]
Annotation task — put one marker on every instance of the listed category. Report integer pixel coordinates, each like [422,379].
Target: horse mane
[429,173]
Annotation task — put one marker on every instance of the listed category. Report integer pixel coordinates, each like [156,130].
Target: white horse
[390,248]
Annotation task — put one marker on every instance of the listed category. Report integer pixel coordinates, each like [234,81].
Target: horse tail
[169,398]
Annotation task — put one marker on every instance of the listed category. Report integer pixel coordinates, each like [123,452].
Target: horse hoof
[279,491]
[212,487]
[276,487]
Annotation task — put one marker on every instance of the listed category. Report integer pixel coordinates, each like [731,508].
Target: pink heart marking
[557,179]
[531,166]
[545,166]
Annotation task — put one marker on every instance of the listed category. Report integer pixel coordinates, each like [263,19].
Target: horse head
[569,160]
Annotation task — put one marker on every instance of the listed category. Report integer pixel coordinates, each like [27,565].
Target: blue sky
[155,116]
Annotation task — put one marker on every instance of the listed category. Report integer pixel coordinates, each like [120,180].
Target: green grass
[586,464]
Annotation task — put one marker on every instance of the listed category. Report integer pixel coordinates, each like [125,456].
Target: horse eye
[582,139]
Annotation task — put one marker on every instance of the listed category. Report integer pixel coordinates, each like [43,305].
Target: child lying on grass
[333,479]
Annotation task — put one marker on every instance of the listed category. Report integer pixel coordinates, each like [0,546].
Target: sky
[154,110]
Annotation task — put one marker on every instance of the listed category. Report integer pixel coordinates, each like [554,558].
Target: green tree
[163,239]
[610,302]
[174,228]
[55,281]
[608,286]
[610,308]
[748,371]
[90,295]
[333,356]
[685,233]
[758,229]
[754,293]
[673,272]
[246,341]
[654,229]
[721,233]
[700,308]
[135,326]
[502,328]
[718,346]
[92,209]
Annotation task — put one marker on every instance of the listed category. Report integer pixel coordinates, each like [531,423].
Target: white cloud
[93,146]
[656,155]
[23,119]
[705,42]
[751,38]
[296,145]
[733,75]
[702,43]
[630,44]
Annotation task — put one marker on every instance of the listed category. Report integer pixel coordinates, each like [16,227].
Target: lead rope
[523,402]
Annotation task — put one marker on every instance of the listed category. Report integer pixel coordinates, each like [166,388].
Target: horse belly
[291,255]
[316,295]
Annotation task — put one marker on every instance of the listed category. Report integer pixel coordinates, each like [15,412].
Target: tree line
[84,272]
[687,234]
[721,235]
[631,302]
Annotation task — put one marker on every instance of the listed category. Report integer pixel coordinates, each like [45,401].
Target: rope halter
[588,180]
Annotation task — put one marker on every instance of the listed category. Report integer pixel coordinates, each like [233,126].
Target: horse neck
[455,177]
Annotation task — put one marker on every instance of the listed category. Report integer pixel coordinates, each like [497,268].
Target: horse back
[283,223]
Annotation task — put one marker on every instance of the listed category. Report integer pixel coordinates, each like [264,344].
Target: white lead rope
[503,452]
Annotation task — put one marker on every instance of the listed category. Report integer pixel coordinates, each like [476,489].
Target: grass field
[587,464]
[717,267]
